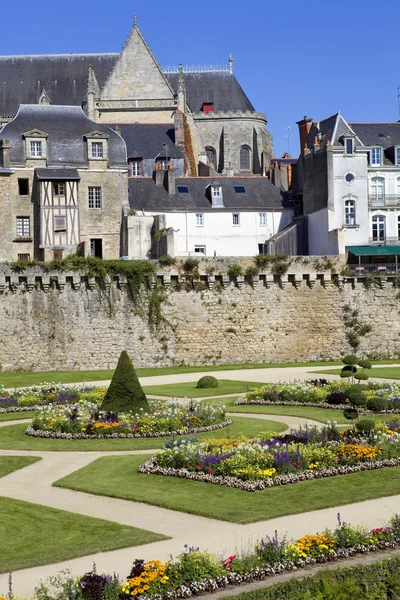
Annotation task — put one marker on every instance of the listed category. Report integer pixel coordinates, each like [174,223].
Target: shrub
[365,425]
[125,394]
[262,260]
[167,261]
[350,359]
[235,271]
[357,399]
[348,371]
[376,404]
[207,382]
[361,376]
[337,397]
[252,271]
[190,264]
[279,268]
[365,364]
[350,413]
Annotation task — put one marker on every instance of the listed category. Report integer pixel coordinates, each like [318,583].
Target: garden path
[34,484]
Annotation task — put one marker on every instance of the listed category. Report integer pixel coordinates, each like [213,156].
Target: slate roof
[260,194]
[385,135]
[145,140]
[220,87]
[66,127]
[64,77]
[57,174]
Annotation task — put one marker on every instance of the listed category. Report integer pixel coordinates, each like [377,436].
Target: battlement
[230,114]
[34,279]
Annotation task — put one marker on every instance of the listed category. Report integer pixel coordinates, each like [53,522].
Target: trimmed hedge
[207,382]
[125,394]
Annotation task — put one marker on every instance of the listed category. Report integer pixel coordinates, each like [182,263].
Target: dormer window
[136,167]
[36,149]
[207,107]
[216,195]
[376,157]
[397,156]
[349,142]
[97,149]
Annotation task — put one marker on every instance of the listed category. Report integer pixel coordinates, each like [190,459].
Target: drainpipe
[186,229]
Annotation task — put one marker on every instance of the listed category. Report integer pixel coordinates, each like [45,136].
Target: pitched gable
[136,74]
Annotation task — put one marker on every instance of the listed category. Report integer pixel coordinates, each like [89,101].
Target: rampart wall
[68,321]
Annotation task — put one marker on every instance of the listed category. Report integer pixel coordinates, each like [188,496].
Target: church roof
[65,128]
[64,78]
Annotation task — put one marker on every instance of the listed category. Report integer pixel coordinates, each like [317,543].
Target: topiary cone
[125,394]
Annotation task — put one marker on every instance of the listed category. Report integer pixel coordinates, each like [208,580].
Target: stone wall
[66,321]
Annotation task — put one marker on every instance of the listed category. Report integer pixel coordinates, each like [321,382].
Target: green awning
[373,250]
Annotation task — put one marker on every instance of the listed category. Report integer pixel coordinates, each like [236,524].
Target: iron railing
[377,269]
[383,200]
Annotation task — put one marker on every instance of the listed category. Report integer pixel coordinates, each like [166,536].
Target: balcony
[384,200]
[386,241]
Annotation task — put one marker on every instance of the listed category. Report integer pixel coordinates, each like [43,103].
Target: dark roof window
[239,189]
[182,189]
[208,107]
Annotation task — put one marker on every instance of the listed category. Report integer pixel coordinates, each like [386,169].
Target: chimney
[169,181]
[5,153]
[158,176]
[304,130]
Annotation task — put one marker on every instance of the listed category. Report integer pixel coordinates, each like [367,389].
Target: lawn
[383,372]
[189,389]
[38,535]
[17,416]
[8,464]
[117,476]
[13,437]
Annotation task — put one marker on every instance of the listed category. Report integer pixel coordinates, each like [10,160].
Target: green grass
[180,390]
[384,372]
[37,535]
[117,476]
[8,464]
[17,416]
[13,437]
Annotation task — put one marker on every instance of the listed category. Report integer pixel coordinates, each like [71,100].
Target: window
[97,149]
[60,223]
[244,158]
[36,149]
[377,190]
[211,156]
[23,187]
[349,146]
[349,177]
[58,189]
[96,248]
[162,163]
[376,154]
[23,227]
[58,253]
[200,250]
[235,219]
[350,212]
[136,168]
[398,228]
[378,228]
[239,189]
[94,195]
[182,189]
[262,219]
[398,188]
[199,220]
[216,190]
[208,107]
[24,257]
[397,156]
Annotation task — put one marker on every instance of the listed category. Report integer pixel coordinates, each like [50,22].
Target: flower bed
[48,394]
[85,421]
[300,455]
[194,572]
[382,398]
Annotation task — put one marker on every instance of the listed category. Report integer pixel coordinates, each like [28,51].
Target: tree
[125,394]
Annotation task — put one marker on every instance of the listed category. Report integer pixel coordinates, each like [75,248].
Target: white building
[231,216]
[350,175]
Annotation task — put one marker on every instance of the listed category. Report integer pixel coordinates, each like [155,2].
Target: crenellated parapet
[35,279]
[230,114]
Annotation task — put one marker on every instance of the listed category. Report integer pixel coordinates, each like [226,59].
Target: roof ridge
[58,55]
[375,123]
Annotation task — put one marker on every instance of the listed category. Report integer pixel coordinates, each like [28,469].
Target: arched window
[211,156]
[378,228]
[377,191]
[244,158]
[350,212]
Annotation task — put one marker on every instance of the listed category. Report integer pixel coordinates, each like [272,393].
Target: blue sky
[292,58]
